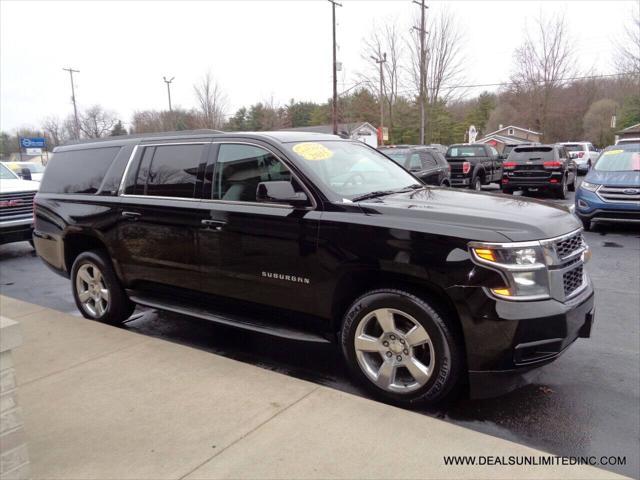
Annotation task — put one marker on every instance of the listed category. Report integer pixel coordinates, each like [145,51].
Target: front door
[260,252]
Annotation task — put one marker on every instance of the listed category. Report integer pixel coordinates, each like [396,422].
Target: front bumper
[506,340]
[589,206]
[16,230]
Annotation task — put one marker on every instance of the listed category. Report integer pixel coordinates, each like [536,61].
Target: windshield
[5,173]
[351,169]
[33,167]
[621,158]
[466,151]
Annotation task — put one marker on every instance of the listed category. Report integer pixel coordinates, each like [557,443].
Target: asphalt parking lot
[585,403]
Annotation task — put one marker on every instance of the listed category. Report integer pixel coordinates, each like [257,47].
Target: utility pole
[168,82]
[422,30]
[380,61]
[334,105]
[73,100]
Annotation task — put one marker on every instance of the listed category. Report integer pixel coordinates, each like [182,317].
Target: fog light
[582,204]
[502,291]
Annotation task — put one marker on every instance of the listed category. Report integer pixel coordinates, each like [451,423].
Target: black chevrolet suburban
[317,238]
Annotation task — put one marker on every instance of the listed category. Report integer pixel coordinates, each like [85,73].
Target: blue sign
[33,142]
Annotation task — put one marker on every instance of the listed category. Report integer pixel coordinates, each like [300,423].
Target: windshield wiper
[382,193]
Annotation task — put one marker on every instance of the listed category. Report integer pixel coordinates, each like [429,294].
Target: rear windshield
[531,153]
[77,171]
[466,151]
[622,158]
[575,148]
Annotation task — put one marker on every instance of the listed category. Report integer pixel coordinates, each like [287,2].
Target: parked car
[611,190]
[426,163]
[439,147]
[312,237]
[16,207]
[545,167]
[584,154]
[474,165]
[27,170]
[622,141]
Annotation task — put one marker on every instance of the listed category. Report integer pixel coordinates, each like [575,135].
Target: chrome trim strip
[121,193]
[20,221]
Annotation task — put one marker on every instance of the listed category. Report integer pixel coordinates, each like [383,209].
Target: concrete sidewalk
[100,402]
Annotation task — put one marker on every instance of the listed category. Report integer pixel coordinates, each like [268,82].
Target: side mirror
[280,192]
[25,174]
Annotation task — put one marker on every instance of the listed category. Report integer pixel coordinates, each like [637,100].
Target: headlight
[592,187]
[523,268]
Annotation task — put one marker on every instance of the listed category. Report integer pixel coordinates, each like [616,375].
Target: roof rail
[178,133]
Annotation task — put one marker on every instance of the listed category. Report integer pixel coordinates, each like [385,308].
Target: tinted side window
[172,171]
[494,152]
[428,160]
[77,171]
[240,168]
[414,162]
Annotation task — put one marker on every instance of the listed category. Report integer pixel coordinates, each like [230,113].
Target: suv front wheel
[400,348]
[96,289]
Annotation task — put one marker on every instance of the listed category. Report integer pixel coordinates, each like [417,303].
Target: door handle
[131,215]
[218,224]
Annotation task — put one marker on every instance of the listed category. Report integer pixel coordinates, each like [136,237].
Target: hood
[627,178]
[474,215]
[16,185]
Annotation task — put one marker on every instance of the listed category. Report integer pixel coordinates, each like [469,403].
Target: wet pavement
[585,403]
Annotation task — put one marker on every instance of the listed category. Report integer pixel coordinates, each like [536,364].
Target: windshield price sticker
[312,151]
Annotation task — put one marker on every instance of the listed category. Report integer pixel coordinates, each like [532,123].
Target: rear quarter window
[78,171]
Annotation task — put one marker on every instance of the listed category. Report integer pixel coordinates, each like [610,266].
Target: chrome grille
[619,194]
[572,280]
[18,204]
[567,246]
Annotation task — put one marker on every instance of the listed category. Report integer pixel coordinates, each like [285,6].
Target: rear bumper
[511,181]
[460,181]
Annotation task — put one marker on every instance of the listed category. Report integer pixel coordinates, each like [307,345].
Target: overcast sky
[255,49]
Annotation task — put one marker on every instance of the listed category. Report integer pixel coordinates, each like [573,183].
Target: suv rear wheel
[400,348]
[561,190]
[96,289]
[476,184]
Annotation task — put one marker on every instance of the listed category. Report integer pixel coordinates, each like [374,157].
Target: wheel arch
[77,242]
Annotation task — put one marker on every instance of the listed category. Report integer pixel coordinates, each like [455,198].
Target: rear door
[160,215]
[431,171]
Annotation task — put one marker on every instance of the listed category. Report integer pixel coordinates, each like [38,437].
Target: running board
[236,321]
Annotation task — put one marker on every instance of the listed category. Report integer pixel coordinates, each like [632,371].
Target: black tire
[586,224]
[507,191]
[560,192]
[476,184]
[31,243]
[572,185]
[118,307]
[445,184]
[447,365]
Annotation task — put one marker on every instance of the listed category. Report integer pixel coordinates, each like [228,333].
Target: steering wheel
[353,180]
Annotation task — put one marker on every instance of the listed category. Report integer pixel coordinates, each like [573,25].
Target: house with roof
[363,131]
[510,135]
[630,132]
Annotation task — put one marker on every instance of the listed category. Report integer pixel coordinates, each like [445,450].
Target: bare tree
[443,62]
[380,42]
[543,63]
[627,59]
[212,102]
[96,122]
[55,129]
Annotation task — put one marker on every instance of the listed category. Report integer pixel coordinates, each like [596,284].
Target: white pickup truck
[16,207]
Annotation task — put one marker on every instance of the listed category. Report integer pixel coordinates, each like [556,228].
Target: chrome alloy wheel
[92,290]
[394,350]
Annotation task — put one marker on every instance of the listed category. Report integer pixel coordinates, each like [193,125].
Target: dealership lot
[583,404]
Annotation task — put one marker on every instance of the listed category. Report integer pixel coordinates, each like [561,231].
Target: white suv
[583,153]
[16,206]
